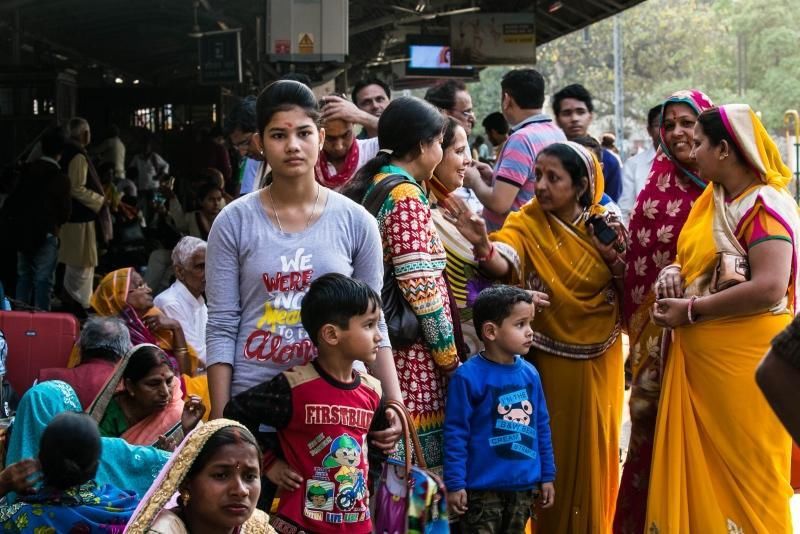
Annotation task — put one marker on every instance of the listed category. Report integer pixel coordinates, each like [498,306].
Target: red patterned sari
[658,216]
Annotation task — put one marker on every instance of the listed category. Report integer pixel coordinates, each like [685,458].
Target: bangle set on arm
[692,318]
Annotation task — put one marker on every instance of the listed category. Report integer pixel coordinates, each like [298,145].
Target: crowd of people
[237,376]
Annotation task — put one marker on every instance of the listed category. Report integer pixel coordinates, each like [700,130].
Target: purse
[401,321]
[731,269]
[410,499]
[732,266]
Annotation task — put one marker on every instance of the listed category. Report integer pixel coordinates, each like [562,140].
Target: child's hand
[548,497]
[457,501]
[283,476]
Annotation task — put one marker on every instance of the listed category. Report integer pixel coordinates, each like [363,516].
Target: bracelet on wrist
[692,318]
[488,255]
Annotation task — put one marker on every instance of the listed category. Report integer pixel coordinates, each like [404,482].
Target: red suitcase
[36,341]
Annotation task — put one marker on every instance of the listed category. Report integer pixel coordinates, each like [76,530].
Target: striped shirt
[515,165]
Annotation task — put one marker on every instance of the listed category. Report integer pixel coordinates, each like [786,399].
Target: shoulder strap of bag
[375,199]
[410,436]
[721,215]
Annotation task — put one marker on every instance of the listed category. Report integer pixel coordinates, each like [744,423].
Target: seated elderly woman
[125,466]
[183,300]
[70,500]
[103,341]
[142,403]
[124,294]
[216,477]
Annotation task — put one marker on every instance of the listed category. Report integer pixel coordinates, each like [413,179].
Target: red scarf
[337,180]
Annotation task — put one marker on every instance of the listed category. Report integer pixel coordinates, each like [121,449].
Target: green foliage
[676,44]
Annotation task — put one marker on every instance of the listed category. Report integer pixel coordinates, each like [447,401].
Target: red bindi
[289,125]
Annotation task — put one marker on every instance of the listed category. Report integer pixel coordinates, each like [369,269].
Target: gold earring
[185,496]
[725,155]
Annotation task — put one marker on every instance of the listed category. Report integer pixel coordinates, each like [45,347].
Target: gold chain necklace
[275,209]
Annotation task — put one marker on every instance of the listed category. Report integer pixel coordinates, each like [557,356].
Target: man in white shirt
[183,300]
[637,168]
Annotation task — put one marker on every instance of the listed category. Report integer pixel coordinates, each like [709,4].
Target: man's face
[372,99]
[653,130]
[494,138]
[462,111]
[574,118]
[338,139]
[243,143]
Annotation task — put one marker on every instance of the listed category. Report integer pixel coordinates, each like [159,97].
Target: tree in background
[671,45]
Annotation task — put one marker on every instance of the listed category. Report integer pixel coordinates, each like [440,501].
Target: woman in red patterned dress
[410,137]
[658,215]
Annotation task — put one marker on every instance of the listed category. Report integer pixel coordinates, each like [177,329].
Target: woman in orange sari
[547,246]
[658,215]
[721,456]
[141,401]
[124,293]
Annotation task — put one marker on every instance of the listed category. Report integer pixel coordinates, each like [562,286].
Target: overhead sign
[305,43]
[307,31]
[221,57]
[492,39]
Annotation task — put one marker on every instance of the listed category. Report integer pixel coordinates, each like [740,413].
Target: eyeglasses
[466,113]
[143,286]
[244,143]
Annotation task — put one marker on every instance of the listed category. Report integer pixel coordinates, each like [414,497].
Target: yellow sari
[721,457]
[578,354]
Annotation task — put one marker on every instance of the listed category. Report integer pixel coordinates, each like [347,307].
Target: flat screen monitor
[429,55]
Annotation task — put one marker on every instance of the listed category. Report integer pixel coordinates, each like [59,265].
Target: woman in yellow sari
[721,457]
[547,246]
[124,293]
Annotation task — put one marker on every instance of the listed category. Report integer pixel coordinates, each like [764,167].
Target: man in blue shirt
[574,111]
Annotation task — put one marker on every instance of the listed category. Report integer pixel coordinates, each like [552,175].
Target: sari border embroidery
[573,351]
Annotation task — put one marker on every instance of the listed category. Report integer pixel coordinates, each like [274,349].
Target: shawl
[335,181]
[85,508]
[172,475]
[658,216]
[147,431]
[122,465]
[704,234]
[560,259]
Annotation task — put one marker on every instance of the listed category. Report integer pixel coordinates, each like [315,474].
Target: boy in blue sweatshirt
[498,453]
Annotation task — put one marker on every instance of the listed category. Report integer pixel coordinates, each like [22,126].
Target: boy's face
[360,340]
[515,335]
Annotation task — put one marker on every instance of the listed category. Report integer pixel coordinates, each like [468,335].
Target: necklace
[275,209]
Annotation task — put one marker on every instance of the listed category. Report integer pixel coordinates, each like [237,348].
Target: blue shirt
[612,172]
[496,428]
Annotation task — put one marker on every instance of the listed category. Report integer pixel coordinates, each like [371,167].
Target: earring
[185,496]
[723,156]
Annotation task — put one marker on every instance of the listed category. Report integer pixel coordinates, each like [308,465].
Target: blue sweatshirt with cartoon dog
[496,428]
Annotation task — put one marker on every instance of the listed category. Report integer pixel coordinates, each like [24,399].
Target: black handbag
[401,321]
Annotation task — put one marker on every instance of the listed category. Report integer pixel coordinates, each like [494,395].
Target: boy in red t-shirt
[322,411]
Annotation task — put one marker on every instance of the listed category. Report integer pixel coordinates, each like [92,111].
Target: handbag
[732,267]
[401,321]
[410,499]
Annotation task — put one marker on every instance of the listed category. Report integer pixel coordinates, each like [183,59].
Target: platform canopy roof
[155,41]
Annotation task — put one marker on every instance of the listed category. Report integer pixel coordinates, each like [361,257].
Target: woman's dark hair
[405,124]
[229,435]
[284,95]
[69,450]
[334,299]
[449,132]
[143,361]
[574,166]
[711,122]
[204,189]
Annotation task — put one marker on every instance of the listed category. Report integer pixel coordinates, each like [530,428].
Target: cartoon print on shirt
[514,432]
[345,453]
[319,495]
